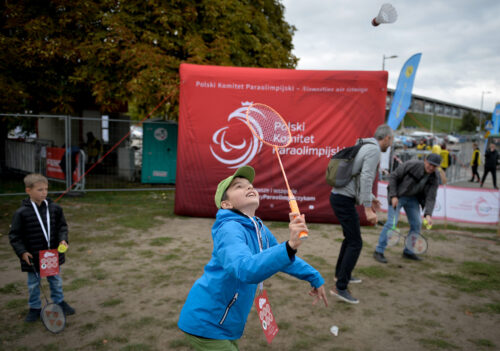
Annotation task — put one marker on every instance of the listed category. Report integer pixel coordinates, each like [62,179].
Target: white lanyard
[259,239]
[45,232]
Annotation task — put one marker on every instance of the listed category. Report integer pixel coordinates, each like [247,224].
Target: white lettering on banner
[205,84]
[281,139]
[457,204]
[235,155]
[289,88]
[299,198]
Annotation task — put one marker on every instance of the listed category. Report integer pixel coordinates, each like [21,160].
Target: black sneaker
[67,309]
[344,295]
[411,256]
[379,257]
[355,280]
[33,315]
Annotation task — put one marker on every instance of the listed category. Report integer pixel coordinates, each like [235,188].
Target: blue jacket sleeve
[236,257]
[299,268]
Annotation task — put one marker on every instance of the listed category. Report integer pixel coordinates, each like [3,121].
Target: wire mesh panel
[89,153]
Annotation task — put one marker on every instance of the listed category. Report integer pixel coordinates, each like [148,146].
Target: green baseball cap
[245,172]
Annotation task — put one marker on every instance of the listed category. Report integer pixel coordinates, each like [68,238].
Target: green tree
[469,122]
[63,56]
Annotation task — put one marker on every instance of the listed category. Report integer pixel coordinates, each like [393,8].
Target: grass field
[439,124]
[131,263]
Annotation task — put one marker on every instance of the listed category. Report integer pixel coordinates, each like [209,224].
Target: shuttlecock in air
[387,14]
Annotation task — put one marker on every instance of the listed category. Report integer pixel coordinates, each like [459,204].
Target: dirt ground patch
[128,286]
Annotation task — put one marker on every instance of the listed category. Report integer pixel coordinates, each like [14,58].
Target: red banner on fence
[55,160]
[326,111]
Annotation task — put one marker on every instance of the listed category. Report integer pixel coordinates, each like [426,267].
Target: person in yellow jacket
[94,148]
[436,149]
[475,162]
[445,158]
[421,146]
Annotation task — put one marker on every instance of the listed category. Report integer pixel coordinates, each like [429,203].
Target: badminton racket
[268,125]
[416,242]
[52,314]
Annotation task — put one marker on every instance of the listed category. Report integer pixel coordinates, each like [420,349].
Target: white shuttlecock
[387,14]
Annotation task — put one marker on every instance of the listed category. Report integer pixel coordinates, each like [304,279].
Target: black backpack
[339,170]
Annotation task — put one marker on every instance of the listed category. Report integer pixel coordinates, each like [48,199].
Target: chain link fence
[459,168]
[65,148]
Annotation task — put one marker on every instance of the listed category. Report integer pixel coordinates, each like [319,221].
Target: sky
[459,41]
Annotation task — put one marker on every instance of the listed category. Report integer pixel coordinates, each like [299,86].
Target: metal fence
[460,156]
[63,148]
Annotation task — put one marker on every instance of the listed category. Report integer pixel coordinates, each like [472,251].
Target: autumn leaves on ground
[132,262]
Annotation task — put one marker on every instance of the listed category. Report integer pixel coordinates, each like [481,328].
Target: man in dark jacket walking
[411,185]
[490,164]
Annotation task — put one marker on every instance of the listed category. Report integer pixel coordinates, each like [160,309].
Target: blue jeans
[56,290]
[412,209]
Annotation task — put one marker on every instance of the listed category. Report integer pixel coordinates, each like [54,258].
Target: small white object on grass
[334,330]
[387,14]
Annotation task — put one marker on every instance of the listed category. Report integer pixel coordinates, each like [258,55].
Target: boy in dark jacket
[39,224]
[245,254]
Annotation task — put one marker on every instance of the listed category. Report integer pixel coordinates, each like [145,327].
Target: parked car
[408,140]
[451,139]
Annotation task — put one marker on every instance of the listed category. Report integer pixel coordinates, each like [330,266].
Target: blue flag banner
[402,95]
[496,119]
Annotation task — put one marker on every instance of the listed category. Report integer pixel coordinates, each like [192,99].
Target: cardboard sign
[266,317]
[49,263]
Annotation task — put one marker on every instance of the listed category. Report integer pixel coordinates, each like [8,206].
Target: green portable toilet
[159,152]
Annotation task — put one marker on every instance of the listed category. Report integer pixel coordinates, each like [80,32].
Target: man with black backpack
[413,184]
[358,191]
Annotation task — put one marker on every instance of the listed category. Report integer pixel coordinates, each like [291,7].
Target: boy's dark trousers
[344,208]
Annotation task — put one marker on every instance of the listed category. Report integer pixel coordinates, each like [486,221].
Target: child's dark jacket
[26,234]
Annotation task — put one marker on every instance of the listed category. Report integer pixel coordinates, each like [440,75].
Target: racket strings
[268,125]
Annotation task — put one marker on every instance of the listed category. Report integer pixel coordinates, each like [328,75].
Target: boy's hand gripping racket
[268,125]
[52,314]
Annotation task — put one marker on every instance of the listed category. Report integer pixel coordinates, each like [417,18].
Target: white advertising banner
[472,205]
[457,204]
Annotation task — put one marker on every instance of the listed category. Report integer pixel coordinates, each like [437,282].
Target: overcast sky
[459,41]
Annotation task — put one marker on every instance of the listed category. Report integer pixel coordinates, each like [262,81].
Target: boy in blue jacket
[245,254]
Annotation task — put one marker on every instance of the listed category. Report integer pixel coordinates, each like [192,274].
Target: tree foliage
[63,56]
[469,122]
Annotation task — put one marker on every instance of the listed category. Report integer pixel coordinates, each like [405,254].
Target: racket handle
[295,208]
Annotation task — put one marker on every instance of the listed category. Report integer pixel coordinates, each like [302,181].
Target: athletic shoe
[33,315]
[67,309]
[411,256]
[344,295]
[353,280]
[379,257]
